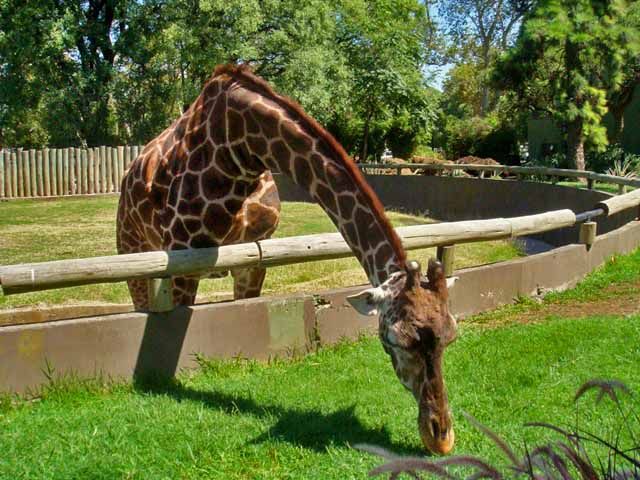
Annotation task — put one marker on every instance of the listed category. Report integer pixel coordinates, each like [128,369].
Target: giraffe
[206,181]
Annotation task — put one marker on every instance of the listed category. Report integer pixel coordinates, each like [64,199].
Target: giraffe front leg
[185,290]
[247,282]
[139,291]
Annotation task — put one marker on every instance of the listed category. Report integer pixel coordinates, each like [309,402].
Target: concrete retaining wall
[122,345]
[453,199]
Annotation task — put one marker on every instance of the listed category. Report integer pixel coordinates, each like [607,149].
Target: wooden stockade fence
[99,170]
[53,172]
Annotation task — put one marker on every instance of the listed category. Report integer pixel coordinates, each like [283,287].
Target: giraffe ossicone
[206,181]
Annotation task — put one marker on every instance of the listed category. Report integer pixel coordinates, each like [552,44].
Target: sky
[438,74]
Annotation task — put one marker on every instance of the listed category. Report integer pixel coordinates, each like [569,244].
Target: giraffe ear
[368,301]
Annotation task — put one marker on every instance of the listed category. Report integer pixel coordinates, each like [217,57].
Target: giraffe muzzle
[437,436]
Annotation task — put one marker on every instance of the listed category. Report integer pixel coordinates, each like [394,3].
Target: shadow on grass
[310,429]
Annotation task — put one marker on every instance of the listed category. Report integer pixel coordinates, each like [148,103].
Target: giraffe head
[415,328]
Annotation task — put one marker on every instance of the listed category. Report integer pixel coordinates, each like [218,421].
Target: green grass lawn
[300,418]
[38,231]
[603,187]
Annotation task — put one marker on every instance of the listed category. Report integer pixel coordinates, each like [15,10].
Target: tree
[58,59]
[26,45]
[383,42]
[462,91]
[618,99]
[90,72]
[573,50]
[478,30]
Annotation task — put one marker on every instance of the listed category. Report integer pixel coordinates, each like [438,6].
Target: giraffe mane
[245,74]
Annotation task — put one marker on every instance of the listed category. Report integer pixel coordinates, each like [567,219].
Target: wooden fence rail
[273,252]
[506,169]
[61,172]
[265,253]
[99,170]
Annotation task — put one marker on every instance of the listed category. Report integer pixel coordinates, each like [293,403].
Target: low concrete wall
[123,345]
[453,199]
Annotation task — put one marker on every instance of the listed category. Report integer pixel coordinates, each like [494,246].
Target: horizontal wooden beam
[621,202]
[266,253]
[542,171]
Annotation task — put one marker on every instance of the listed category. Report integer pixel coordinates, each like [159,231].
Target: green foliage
[602,161]
[93,72]
[383,43]
[465,135]
[462,91]
[477,31]
[569,55]
[481,137]
[555,160]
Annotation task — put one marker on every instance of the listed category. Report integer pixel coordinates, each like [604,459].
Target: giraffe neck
[255,129]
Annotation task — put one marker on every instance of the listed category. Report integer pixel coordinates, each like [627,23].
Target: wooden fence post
[588,233]
[60,170]
[14,174]
[20,173]
[114,169]
[103,169]
[127,159]
[40,173]
[622,189]
[55,167]
[590,183]
[74,171]
[33,172]
[160,295]
[84,168]
[89,172]
[26,176]
[446,256]
[121,167]
[65,171]
[106,162]
[53,159]
[2,174]
[8,190]
[47,169]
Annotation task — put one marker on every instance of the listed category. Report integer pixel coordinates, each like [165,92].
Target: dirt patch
[620,300]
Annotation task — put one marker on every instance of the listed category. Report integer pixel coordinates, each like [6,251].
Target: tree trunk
[484,105]
[618,125]
[365,140]
[575,131]
[575,145]
[618,102]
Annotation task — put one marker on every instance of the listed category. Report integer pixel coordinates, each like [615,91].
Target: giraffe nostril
[435,428]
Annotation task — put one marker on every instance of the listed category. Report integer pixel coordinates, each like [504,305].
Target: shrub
[555,160]
[481,137]
[602,161]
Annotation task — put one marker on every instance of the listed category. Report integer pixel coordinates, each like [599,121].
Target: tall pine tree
[576,50]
